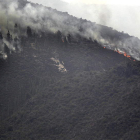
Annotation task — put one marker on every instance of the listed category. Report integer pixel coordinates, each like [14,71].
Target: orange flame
[119,52]
[124,53]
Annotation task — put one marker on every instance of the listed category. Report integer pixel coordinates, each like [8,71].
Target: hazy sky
[122,15]
[115,2]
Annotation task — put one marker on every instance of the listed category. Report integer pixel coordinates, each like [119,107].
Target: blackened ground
[98,98]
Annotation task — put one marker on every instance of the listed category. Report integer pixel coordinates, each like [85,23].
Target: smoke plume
[43,19]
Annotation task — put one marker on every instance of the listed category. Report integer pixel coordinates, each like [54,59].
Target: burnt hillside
[66,85]
[35,63]
[52,103]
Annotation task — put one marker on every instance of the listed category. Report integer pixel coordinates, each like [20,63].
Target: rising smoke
[40,19]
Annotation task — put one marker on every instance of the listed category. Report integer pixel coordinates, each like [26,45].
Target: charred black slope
[45,62]
[42,103]
[93,95]
[91,100]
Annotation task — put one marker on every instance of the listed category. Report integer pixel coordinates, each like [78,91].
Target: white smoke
[40,18]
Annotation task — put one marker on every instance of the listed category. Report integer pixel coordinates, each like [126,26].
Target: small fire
[119,52]
[124,53]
